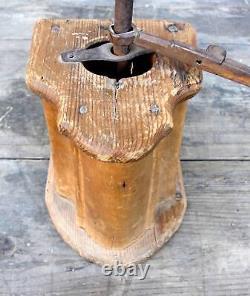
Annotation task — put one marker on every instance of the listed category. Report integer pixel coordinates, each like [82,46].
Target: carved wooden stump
[115,189]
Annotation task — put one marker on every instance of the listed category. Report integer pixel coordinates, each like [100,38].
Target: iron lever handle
[213,60]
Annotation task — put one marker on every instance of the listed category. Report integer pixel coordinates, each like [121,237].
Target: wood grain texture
[110,161]
[208,256]
[127,210]
[118,125]
[137,235]
[210,253]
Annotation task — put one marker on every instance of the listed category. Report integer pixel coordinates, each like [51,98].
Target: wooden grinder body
[115,190]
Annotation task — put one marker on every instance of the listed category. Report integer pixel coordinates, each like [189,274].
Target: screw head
[71,56]
[154,108]
[178,196]
[83,110]
[172,28]
[55,28]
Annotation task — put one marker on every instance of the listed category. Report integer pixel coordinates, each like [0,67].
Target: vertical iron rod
[123,22]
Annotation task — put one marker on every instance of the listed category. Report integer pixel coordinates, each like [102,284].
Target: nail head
[154,108]
[83,110]
[172,28]
[178,195]
[55,28]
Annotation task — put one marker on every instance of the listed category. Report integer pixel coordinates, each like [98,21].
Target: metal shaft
[123,22]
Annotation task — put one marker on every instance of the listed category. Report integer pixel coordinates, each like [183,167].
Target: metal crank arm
[102,53]
[213,59]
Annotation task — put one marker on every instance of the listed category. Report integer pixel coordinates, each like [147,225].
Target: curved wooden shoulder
[111,123]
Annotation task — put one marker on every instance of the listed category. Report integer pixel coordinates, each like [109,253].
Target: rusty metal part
[212,60]
[123,40]
[122,22]
[102,53]
[172,28]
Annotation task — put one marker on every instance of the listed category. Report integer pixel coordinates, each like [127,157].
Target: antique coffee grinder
[114,97]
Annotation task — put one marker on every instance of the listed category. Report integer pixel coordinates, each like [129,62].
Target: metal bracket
[102,53]
[123,39]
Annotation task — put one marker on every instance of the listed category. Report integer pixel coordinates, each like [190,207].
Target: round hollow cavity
[119,70]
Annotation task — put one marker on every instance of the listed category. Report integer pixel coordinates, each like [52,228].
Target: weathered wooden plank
[22,128]
[20,6]
[216,21]
[210,255]
[218,124]
[191,4]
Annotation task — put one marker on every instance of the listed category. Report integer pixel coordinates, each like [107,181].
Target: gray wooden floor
[210,255]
